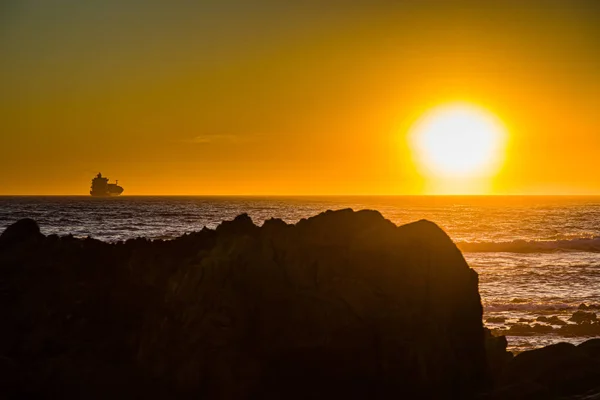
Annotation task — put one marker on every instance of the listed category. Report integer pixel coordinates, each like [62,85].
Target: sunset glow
[277,98]
[458,141]
[234,199]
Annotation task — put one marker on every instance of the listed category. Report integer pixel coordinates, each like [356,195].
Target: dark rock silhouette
[591,348]
[554,320]
[342,305]
[584,306]
[584,328]
[583,316]
[526,329]
[497,355]
[24,230]
[557,371]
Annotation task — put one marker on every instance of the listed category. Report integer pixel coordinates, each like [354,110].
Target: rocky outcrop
[497,356]
[559,371]
[341,305]
[582,316]
[24,230]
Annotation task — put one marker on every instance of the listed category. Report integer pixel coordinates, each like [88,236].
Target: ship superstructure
[101,187]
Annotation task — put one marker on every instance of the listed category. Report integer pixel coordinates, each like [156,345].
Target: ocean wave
[517,304]
[532,246]
[530,307]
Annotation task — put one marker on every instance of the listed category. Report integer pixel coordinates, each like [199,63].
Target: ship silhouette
[101,187]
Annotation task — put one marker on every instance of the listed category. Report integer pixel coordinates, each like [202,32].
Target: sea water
[538,257]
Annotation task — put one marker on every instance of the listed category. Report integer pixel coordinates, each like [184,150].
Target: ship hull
[94,194]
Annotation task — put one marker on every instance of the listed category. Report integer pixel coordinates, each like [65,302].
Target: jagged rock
[341,305]
[582,316]
[240,225]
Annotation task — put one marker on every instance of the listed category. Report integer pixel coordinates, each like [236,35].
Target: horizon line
[317,195]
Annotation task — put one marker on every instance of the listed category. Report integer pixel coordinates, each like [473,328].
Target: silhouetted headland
[341,305]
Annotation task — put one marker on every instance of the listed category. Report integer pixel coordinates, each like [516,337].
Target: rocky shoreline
[341,305]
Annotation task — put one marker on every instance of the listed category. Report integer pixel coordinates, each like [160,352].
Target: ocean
[538,257]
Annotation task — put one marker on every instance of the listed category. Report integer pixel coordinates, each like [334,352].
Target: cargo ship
[101,187]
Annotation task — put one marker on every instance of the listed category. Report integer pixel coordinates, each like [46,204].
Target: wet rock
[540,328]
[592,306]
[519,329]
[528,330]
[553,320]
[584,328]
[341,305]
[583,316]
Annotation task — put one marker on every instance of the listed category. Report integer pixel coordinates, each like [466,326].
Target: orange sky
[296,98]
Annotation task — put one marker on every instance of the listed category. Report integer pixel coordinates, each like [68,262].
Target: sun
[458,141]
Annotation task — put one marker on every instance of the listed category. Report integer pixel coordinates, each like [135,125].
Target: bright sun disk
[458,141]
